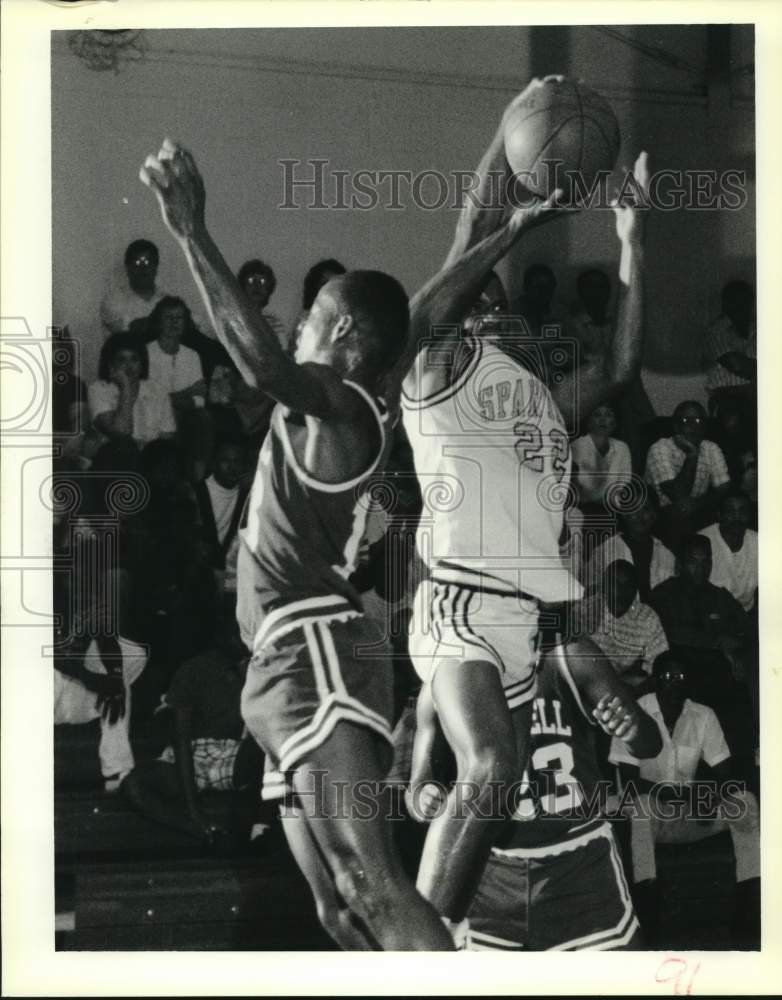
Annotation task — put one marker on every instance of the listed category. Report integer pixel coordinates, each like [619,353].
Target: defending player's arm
[604,375]
[250,341]
[424,797]
[613,705]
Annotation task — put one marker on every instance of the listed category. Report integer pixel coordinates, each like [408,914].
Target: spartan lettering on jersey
[496,430]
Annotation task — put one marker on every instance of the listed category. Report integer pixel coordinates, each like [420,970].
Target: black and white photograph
[388,495]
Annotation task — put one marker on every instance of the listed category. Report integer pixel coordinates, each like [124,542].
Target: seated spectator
[734,550]
[626,630]
[136,294]
[221,499]
[689,474]
[603,461]
[682,810]
[732,432]
[95,659]
[258,282]
[123,403]
[711,634]
[635,543]
[730,350]
[209,751]
[176,369]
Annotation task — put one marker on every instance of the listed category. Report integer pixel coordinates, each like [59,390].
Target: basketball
[557,131]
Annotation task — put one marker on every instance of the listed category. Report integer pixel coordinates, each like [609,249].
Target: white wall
[391,99]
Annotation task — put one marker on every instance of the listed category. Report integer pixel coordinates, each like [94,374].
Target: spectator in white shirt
[135,294]
[734,550]
[677,811]
[221,500]
[603,461]
[176,369]
[689,474]
[123,402]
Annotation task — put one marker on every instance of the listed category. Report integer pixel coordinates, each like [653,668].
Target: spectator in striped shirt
[689,474]
[626,630]
[731,347]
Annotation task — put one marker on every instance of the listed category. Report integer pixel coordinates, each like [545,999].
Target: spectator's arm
[112,418]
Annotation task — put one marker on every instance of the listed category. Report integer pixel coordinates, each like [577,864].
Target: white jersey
[493,460]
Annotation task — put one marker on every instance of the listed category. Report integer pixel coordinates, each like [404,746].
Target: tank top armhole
[472,358]
[380,417]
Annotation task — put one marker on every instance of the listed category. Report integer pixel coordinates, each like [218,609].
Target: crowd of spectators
[670,572]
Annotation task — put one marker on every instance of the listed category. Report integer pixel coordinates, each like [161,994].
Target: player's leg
[333,912]
[490,754]
[338,785]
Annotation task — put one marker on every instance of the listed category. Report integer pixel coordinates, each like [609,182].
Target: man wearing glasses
[137,297]
[689,474]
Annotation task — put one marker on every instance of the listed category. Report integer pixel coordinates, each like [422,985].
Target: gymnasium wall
[401,99]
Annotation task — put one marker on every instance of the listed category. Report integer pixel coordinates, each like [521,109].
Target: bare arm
[602,376]
[250,341]
[612,702]
[119,422]
[739,364]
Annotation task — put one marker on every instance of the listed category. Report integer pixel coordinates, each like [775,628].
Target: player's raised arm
[604,375]
[252,344]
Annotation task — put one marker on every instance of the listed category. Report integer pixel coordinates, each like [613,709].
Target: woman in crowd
[123,403]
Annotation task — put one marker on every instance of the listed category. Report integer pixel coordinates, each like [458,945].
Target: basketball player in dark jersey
[318,707]
[554,879]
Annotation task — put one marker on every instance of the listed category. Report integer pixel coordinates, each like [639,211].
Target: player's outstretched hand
[616,718]
[540,211]
[174,177]
[425,802]
[630,208]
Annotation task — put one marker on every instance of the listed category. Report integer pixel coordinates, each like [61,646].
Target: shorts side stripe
[321,681]
[313,736]
[326,643]
[478,941]
[615,936]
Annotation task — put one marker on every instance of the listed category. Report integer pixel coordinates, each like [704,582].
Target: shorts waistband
[286,618]
[592,831]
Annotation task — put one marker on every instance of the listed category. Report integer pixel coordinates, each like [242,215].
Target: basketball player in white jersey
[490,440]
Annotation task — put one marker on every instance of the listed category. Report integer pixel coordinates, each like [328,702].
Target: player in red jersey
[554,879]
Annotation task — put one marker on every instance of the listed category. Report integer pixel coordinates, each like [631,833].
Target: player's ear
[341,327]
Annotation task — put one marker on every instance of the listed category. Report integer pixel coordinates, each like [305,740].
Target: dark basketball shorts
[300,685]
[568,896]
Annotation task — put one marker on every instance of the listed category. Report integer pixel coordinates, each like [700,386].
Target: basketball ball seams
[581,119]
[553,136]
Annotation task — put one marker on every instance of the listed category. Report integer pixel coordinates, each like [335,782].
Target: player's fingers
[168,149]
[154,174]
